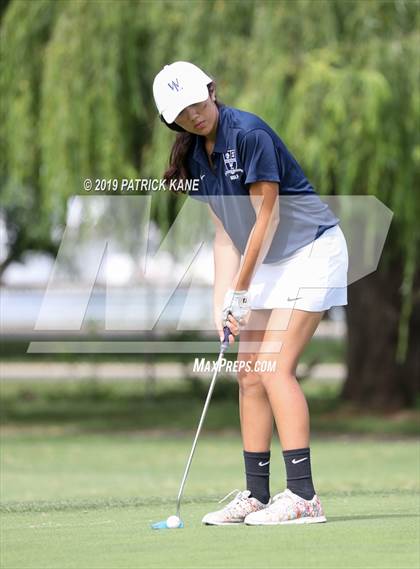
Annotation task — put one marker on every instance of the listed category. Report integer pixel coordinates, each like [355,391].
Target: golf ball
[173,522]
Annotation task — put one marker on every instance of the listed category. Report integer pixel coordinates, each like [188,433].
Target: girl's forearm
[226,264]
[258,245]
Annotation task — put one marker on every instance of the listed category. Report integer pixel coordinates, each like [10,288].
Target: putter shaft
[223,348]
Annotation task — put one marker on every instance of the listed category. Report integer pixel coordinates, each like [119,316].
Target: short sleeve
[259,158]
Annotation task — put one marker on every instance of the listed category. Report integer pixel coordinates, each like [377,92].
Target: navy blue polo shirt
[247,150]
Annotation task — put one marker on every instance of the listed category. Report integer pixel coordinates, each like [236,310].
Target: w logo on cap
[174,85]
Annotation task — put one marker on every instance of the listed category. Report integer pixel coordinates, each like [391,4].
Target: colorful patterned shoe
[288,508]
[236,511]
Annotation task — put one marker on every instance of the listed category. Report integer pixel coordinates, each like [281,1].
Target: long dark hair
[178,164]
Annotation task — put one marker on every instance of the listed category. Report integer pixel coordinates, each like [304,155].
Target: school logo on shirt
[231,165]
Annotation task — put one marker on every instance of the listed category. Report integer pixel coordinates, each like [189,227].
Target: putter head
[164,525]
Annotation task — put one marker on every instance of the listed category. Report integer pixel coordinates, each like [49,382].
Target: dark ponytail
[178,163]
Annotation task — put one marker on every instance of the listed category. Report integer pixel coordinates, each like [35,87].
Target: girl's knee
[249,381]
[268,376]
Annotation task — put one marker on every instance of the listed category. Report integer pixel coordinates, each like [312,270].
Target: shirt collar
[221,137]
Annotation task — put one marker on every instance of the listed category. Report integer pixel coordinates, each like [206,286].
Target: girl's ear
[212,92]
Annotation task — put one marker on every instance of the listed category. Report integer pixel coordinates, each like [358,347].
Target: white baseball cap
[177,86]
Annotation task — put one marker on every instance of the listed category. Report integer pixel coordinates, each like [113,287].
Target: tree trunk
[374,379]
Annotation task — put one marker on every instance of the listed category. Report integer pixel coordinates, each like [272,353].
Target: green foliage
[92,99]
[25,29]
[337,80]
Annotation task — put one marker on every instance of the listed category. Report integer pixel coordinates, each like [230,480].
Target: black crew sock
[298,470]
[257,470]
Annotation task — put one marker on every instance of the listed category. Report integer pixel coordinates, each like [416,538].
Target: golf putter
[174,522]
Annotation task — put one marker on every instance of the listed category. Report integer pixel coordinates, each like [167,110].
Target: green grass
[87,501]
[123,405]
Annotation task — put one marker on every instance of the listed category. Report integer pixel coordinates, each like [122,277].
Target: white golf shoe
[288,508]
[235,511]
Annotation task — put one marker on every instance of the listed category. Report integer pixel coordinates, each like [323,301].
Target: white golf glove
[237,303]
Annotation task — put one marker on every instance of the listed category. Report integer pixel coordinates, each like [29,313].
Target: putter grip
[226,332]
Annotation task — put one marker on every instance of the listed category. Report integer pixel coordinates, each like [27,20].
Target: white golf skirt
[314,278]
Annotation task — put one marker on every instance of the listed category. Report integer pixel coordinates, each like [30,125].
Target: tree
[375,376]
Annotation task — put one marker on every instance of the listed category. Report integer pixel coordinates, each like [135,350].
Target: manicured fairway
[87,501]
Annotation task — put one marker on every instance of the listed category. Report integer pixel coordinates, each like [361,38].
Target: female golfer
[280,262]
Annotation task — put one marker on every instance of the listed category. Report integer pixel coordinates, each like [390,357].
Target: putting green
[87,501]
